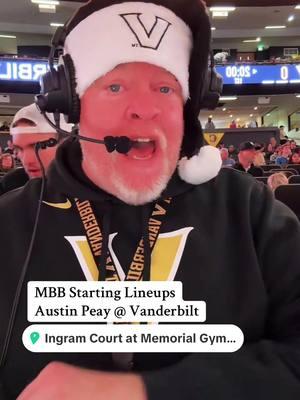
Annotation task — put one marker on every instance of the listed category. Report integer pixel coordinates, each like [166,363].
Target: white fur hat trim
[202,167]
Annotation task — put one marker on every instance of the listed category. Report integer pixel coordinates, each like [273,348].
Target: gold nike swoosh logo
[63,206]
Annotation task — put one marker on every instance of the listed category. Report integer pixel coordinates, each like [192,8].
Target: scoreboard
[22,70]
[243,74]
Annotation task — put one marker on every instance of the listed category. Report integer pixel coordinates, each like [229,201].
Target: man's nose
[29,157]
[142,107]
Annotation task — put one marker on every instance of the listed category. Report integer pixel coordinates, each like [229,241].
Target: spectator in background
[232,152]
[28,128]
[9,149]
[277,179]
[272,145]
[210,126]
[284,156]
[295,158]
[259,158]
[283,136]
[246,158]
[7,162]
[226,161]
[253,124]
[233,125]
[5,126]
[294,146]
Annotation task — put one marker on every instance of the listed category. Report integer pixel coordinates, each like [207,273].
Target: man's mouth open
[142,149]
[34,172]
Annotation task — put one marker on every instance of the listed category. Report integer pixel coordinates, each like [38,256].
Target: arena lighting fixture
[275,27]
[224,109]
[213,28]
[252,40]
[228,98]
[48,2]
[255,108]
[220,14]
[298,96]
[291,18]
[297,7]
[230,116]
[46,7]
[251,115]
[8,37]
[56,24]
[224,8]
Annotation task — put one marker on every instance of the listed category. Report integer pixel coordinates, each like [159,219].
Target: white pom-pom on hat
[202,167]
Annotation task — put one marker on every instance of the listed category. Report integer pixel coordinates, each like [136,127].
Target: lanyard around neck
[95,239]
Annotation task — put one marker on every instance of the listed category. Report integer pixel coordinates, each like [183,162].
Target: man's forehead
[141,67]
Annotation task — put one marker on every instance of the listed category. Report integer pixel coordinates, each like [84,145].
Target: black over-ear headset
[58,86]
[213,86]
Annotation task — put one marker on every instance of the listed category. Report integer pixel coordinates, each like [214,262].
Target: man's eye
[115,88]
[165,89]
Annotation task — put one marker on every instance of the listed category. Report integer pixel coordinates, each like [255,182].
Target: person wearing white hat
[28,128]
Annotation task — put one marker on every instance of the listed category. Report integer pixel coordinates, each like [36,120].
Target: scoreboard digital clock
[243,74]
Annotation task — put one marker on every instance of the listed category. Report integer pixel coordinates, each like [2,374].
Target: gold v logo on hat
[149,39]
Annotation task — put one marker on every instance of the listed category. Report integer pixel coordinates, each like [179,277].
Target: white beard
[138,197]
[125,192]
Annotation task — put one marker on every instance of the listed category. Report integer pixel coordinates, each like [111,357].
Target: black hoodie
[241,255]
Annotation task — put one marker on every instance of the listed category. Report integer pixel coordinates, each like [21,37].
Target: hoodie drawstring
[147,248]
[105,240]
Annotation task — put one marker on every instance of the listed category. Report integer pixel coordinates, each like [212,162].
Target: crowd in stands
[253,157]
[263,153]
[271,162]
[210,125]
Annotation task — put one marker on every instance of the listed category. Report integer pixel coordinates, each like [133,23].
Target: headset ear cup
[73,101]
[55,92]
[212,89]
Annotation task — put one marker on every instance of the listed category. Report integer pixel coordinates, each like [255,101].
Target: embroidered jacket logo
[63,206]
[147,38]
[165,259]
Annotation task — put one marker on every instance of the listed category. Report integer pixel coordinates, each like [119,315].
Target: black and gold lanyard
[95,239]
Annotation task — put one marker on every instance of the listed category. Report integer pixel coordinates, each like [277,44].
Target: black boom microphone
[121,144]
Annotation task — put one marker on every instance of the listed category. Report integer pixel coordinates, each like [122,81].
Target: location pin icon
[34,337]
